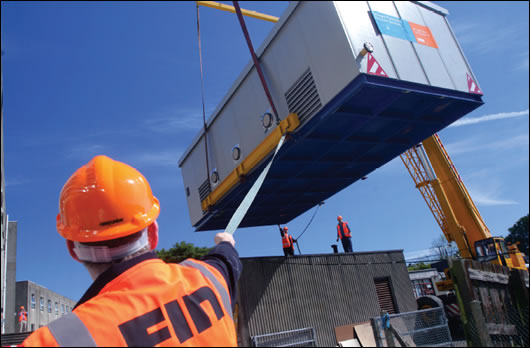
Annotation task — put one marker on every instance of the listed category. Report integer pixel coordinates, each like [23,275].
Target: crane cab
[494,250]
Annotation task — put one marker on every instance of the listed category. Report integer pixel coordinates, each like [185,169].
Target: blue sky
[122,79]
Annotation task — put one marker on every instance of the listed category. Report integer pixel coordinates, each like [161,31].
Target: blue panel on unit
[373,120]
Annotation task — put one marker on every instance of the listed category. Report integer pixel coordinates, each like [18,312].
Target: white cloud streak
[176,119]
[472,145]
[491,117]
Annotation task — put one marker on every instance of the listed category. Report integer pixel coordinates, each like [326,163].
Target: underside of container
[370,122]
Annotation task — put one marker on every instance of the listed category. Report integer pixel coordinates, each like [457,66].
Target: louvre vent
[384,295]
[302,97]
[205,189]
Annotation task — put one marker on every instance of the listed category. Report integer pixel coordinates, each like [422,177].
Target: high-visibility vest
[343,230]
[151,304]
[22,316]
[286,240]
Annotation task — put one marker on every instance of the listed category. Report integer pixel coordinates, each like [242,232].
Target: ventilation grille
[384,295]
[205,189]
[302,97]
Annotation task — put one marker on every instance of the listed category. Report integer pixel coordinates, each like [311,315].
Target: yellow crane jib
[228,8]
[287,125]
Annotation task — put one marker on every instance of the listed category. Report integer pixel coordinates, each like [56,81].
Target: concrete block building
[42,304]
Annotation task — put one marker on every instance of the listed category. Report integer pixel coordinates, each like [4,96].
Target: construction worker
[23,319]
[107,214]
[344,234]
[287,241]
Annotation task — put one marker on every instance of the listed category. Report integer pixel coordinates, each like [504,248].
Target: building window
[422,287]
[41,303]
[56,308]
[66,309]
[32,300]
[49,306]
[32,327]
[62,308]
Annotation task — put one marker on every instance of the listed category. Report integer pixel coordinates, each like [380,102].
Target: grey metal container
[311,56]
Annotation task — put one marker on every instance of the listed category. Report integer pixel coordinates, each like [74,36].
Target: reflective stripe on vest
[69,331]
[286,241]
[343,230]
[218,286]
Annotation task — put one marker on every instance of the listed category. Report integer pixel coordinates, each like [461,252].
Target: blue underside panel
[372,121]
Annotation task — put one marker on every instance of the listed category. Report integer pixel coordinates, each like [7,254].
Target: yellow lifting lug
[287,125]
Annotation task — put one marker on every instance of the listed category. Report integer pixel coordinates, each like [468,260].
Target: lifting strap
[202,89]
[249,198]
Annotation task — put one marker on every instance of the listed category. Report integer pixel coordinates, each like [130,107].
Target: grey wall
[320,291]
[36,316]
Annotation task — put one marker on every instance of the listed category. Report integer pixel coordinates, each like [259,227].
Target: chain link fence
[295,338]
[512,331]
[426,327]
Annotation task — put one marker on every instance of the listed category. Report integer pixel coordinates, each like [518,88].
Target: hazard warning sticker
[472,85]
[373,67]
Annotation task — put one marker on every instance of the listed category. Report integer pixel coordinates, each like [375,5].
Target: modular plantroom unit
[355,83]
[319,292]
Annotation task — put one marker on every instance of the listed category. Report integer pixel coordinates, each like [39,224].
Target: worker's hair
[99,268]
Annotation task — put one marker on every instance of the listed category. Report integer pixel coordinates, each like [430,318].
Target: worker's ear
[70,245]
[152,233]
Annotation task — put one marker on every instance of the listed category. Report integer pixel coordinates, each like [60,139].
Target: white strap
[249,198]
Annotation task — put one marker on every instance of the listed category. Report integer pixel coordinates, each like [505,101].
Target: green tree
[182,251]
[418,266]
[519,233]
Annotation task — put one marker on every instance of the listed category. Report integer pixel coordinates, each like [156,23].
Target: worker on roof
[23,319]
[107,214]
[344,234]
[287,241]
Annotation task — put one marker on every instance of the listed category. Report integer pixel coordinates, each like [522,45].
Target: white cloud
[486,118]
[176,119]
[472,145]
[488,199]
[159,158]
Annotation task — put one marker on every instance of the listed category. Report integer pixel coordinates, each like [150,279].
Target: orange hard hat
[21,307]
[339,217]
[105,199]
[285,228]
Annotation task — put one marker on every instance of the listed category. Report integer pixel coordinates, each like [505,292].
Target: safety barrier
[426,327]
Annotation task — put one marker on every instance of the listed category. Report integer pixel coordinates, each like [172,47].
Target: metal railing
[294,338]
[426,327]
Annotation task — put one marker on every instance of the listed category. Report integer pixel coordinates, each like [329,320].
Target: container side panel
[430,58]
[360,28]
[402,52]
[448,48]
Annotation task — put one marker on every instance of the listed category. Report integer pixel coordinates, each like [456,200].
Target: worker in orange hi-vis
[287,241]
[23,319]
[107,215]
[344,234]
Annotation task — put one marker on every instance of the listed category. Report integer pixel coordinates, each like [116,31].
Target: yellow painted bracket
[288,125]
[232,9]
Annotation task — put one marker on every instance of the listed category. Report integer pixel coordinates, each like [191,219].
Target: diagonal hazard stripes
[472,86]
[373,67]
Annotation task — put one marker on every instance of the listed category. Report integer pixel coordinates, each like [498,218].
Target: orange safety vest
[151,304]
[22,316]
[286,240]
[345,230]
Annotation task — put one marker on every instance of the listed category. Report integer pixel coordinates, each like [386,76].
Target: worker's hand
[224,237]
[337,239]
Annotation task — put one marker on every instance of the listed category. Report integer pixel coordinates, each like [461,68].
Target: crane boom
[437,178]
